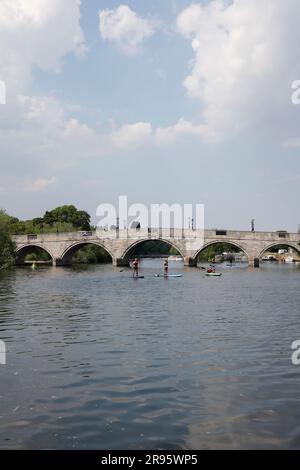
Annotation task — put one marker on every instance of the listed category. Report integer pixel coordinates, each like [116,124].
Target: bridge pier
[190,262]
[253,262]
[120,262]
[57,262]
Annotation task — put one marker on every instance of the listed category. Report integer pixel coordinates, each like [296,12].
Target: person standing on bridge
[166,267]
[135,268]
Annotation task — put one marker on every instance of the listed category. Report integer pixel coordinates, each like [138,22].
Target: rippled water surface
[97,360]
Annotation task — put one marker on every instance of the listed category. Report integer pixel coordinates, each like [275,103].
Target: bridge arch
[68,254]
[295,247]
[24,250]
[227,242]
[130,249]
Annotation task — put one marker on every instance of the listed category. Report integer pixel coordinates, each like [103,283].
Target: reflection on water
[98,360]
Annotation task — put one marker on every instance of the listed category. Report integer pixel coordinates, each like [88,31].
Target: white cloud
[36,32]
[244,63]
[40,184]
[169,135]
[75,129]
[124,27]
[132,135]
[40,130]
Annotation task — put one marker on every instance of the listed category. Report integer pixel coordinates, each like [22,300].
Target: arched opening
[33,254]
[85,253]
[152,249]
[280,253]
[229,254]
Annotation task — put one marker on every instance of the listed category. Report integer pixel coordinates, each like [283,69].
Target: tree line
[65,218]
[61,219]
[7,246]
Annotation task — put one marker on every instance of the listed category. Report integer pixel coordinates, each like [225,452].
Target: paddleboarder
[135,268]
[166,268]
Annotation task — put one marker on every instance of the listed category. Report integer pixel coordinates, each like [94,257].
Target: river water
[97,360]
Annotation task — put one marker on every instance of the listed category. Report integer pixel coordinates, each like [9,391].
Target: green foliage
[209,253]
[37,254]
[7,246]
[62,219]
[80,220]
[154,247]
[91,254]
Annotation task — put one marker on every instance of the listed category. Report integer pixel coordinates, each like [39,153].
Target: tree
[7,246]
[209,253]
[91,254]
[68,214]
[82,220]
[38,222]
[48,218]
[61,219]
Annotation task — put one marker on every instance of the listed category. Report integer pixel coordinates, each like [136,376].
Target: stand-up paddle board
[168,275]
[138,277]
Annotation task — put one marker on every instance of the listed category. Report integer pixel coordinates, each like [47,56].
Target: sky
[165,102]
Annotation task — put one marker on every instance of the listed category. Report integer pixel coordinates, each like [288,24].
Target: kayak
[168,275]
[214,274]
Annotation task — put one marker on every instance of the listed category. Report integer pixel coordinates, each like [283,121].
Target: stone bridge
[121,245]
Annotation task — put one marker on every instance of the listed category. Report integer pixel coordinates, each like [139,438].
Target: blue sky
[188,102]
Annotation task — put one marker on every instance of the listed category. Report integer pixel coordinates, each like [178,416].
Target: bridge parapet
[247,235]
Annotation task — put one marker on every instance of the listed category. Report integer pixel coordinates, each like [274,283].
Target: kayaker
[135,268]
[166,267]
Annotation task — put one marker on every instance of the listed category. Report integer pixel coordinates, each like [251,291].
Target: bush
[7,246]
[91,254]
